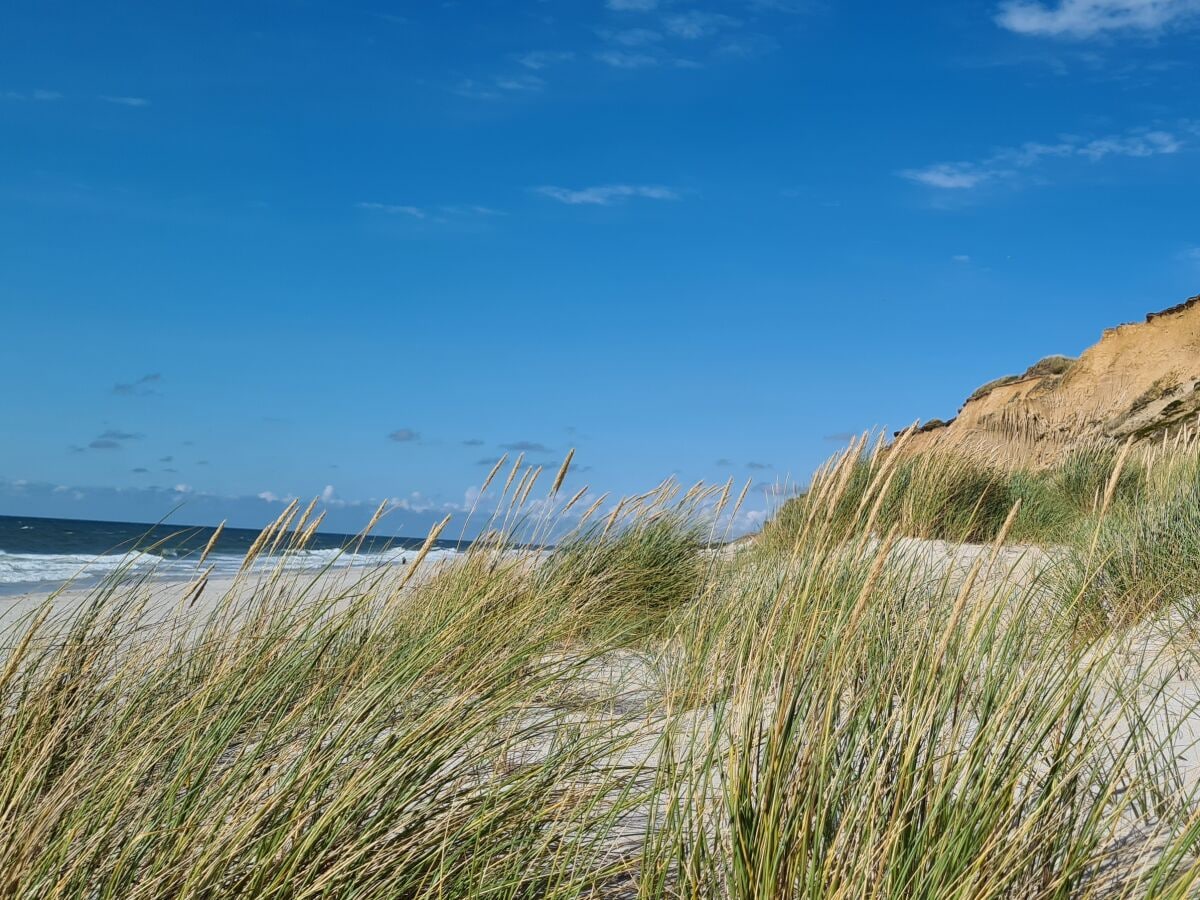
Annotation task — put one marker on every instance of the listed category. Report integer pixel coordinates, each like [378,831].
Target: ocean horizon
[37,552]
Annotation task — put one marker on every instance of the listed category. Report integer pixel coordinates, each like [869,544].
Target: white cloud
[393,209]
[631,37]
[327,495]
[961,258]
[183,488]
[42,96]
[608,194]
[1088,18]
[498,87]
[417,502]
[440,215]
[519,83]
[1151,143]
[621,59]
[1009,162]
[949,176]
[471,210]
[125,101]
[749,520]
[632,5]
[782,6]
[748,46]
[541,59]
[695,24]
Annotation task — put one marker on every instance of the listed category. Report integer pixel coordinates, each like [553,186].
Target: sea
[37,553]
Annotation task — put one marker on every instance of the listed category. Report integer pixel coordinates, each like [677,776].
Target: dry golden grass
[830,712]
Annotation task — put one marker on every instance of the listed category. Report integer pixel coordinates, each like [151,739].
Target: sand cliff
[1140,380]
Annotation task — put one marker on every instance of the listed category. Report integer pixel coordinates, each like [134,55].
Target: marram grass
[843,709]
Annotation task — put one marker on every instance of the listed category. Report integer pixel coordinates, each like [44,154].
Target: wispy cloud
[110,439]
[695,24]
[404,436]
[44,96]
[526,447]
[775,488]
[749,520]
[471,210]
[630,37]
[543,59]
[642,47]
[624,59]
[37,96]
[608,194]
[472,442]
[145,386]
[632,5]
[949,176]
[125,101]
[392,209]
[747,46]
[438,214]
[498,87]
[784,6]
[1009,162]
[758,466]
[1082,19]
[518,83]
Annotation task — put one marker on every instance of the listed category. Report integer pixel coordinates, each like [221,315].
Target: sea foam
[42,569]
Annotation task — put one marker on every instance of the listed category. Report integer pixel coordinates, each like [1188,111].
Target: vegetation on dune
[1143,556]
[984,389]
[626,580]
[833,711]
[1055,364]
[953,496]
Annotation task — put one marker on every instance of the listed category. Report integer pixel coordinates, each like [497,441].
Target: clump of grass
[930,495]
[949,497]
[626,579]
[1082,476]
[1140,558]
[841,514]
[983,390]
[957,497]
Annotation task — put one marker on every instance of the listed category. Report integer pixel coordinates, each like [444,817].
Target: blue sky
[269,249]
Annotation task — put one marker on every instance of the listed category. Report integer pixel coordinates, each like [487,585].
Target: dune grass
[836,711]
[953,496]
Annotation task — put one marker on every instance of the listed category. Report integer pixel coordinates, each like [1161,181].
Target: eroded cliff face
[1140,380]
